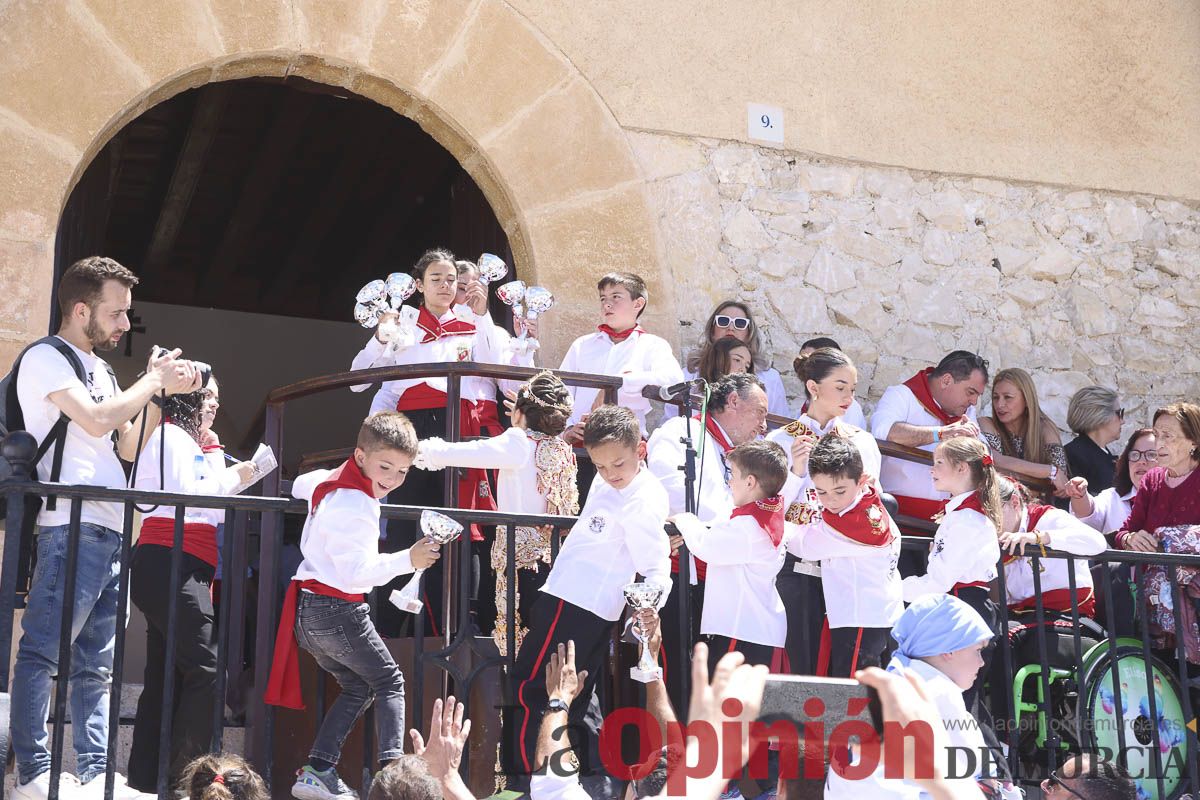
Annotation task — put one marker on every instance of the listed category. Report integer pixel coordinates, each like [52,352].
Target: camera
[205,370]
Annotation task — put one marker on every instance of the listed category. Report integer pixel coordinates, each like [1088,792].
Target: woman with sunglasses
[1095,416]
[732,319]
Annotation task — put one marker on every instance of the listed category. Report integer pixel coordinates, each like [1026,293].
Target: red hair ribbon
[987,460]
[219,778]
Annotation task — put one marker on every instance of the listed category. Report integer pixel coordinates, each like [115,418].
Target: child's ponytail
[974,453]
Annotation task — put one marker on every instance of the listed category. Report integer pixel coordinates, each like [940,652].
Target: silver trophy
[512,294]
[440,529]
[538,300]
[371,302]
[400,287]
[641,596]
[491,268]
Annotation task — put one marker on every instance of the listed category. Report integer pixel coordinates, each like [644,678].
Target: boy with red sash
[742,609]
[1046,526]
[858,545]
[324,610]
[936,404]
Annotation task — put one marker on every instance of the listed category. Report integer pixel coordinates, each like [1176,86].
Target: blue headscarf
[935,624]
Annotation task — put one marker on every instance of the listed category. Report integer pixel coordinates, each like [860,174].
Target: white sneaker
[313,785]
[94,790]
[39,788]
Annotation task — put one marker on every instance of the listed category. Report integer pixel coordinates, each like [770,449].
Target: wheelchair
[1099,704]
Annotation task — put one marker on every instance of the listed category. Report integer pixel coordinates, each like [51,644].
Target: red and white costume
[1060,531]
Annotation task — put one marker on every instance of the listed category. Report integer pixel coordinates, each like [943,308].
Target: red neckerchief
[616,337]
[919,384]
[714,430]
[972,502]
[436,329]
[1035,514]
[347,476]
[768,513]
[866,523]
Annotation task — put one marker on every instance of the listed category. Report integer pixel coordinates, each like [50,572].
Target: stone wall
[900,266]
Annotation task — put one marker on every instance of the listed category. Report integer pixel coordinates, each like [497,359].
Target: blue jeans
[343,641]
[93,636]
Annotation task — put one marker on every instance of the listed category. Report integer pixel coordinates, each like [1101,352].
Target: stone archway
[476,75]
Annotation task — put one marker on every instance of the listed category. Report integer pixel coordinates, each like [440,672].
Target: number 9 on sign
[764,123]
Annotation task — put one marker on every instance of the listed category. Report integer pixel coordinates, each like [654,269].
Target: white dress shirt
[487,345]
[1061,532]
[340,542]
[860,582]
[665,456]
[1110,510]
[641,360]
[900,477]
[740,599]
[619,534]
[868,448]
[965,549]
[511,453]
[186,470]
[854,415]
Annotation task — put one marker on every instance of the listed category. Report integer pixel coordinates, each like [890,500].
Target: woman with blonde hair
[1023,439]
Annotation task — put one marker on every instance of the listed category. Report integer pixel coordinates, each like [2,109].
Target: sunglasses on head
[1054,780]
[1120,413]
[737,323]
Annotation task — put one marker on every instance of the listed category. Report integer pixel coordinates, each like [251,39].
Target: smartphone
[790,697]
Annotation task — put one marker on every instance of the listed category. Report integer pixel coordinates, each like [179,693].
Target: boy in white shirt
[619,347]
[619,535]
[325,610]
[742,609]
[858,545]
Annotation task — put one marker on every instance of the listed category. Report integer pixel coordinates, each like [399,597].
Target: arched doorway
[252,211]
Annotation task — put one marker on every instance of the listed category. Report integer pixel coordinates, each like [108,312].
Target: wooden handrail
[340,380]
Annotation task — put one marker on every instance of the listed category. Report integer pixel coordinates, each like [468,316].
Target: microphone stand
[685,561]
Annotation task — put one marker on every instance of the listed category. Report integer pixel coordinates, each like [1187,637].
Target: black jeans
[195,663]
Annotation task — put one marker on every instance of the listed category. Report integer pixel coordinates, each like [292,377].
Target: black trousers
[676,654]
[804,601]
[719,646]
[553,621]
[852,649]
[979,598]
[195,671]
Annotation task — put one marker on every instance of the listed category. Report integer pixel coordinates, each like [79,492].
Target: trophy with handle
[538,300]
[491,268]
[641,596]
[370,303]
[441,529]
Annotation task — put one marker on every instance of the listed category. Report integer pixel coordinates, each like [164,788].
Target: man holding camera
[94,296]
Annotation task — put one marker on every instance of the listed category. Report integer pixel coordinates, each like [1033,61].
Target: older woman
[1095,416]
[1021,437]
[732,319]
[1170,493]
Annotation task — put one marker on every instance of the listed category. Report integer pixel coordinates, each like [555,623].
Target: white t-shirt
[900,477]
[89,460]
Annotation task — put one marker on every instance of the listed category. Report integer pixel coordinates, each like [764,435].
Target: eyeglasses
[737,323]
[1143,455]
[1054,781]
[1121,414]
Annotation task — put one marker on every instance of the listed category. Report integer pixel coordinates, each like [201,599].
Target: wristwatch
[1053,472]
[556,704]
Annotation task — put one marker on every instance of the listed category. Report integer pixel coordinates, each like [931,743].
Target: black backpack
[14,420]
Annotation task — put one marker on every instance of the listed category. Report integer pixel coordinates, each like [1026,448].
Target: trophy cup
[371,301]
[400,287]
[511,294]
[491,268]
[538,300]
[641,596]
[442,530]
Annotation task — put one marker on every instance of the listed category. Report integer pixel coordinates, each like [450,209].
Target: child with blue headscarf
[941,638]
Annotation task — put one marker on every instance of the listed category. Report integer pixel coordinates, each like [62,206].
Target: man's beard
[99,339]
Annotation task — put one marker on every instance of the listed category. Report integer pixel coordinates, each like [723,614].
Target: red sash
[1060,600]
[919,384]
[436,329]
[616,337]
[283,684]
[919,507]
[867,523]
[768,513]
[199,538]
[956,588]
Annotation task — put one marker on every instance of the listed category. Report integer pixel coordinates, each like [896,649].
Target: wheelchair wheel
[1163,736]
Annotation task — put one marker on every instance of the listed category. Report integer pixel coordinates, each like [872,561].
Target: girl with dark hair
[536,476]
[1110,508]
[187,467]
[732,319]
[443,331]
[725,356]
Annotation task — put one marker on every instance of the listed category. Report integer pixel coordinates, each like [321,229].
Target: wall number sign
[764,123]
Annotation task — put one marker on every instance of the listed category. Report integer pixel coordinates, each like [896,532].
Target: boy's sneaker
[313,785]
[94,789]
[732,792]
[39,788]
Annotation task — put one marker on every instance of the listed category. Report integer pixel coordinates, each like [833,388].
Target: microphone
[666,394]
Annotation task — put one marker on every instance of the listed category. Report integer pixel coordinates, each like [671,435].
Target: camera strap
[160,401]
